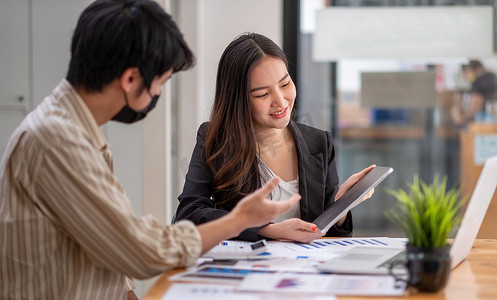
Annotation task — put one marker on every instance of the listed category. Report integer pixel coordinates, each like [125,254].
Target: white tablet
[333,213]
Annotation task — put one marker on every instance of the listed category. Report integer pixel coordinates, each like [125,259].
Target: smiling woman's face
[272,94]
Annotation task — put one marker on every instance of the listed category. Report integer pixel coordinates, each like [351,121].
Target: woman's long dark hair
[230,148]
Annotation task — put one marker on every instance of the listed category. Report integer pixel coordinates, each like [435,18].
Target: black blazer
[318,182]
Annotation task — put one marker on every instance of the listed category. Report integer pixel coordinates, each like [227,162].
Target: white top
[283,192]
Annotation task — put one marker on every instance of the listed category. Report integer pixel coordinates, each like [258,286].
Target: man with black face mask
[67,229]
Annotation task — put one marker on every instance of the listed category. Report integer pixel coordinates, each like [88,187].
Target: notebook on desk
[365,260]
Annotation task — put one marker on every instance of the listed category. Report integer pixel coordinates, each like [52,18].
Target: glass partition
[383,111]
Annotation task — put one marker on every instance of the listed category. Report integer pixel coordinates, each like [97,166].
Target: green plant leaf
[426,213]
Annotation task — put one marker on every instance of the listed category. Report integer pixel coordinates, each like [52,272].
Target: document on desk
[328,248]
[222,292]
[360,285]
[318,249]
[298,257]
[204,292]
[285,257]
[233,250]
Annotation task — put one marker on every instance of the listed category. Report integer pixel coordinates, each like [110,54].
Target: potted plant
[427,214]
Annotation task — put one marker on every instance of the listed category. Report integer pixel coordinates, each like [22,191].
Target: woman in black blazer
[251,138]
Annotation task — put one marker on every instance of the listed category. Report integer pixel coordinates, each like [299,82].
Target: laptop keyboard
[396,262]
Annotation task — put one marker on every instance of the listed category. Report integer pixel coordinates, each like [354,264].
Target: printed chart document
[328,248]
[322,284]
[223,292]
[319,249]
[218,273]
[238,250]
[285,257]
[290,269]
[204,292]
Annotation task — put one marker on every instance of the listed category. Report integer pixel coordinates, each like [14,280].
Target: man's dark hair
[475,64]
[113,35]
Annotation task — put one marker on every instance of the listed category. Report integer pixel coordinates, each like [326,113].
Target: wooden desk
[475,278]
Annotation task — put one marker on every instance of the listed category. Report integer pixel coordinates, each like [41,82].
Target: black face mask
[128,115]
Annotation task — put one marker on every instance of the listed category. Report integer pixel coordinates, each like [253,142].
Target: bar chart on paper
[328,248]
[283,257]
[346,243]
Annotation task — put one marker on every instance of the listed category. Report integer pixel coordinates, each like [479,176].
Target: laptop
[368,260]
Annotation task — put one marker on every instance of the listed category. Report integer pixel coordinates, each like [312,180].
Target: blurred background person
[482,94]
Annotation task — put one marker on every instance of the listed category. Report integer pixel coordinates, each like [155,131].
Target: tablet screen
[333,213]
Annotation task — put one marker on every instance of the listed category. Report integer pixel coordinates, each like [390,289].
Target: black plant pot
[429,268]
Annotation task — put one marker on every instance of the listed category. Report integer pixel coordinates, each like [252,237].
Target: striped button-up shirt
[67,229]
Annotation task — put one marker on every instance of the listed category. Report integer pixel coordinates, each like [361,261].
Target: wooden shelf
[382,133]
[470,172]
[392,132]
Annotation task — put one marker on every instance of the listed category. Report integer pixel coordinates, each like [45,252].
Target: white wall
[209,26]
[143,152]
[15,67]
[403,32]
[53,24]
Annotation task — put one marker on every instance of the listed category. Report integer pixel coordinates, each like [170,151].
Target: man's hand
[253,210]
[293,229]
[256,210]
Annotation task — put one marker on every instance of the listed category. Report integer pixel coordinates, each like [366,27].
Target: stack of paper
[323,284]
[291,268]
